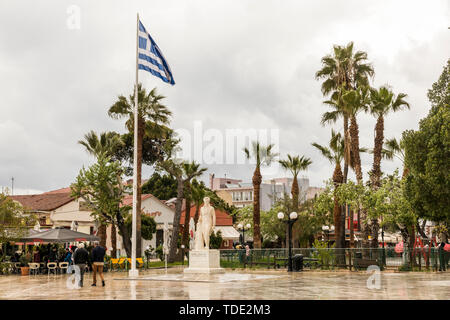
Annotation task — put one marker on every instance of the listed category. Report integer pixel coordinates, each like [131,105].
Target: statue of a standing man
[205,225]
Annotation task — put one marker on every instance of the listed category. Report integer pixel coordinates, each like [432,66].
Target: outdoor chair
[139,262]
[52,267]
[63,266]
[114,264]
[34,268]
[16,267]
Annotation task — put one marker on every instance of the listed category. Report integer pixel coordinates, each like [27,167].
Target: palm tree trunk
[176,221]
[339,228]
[376,172]
[378,147]
[256,208]
[139,187]
[197,212]
[187,217]
[346,147]
[295,193]
[354,134]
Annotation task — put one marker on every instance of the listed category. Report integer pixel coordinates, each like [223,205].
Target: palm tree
[197,193]
[183,172]
[105,145]
[394,148]
[152,116]
[295,165]
[382,101]
[189,169]
[334,152]
[344,69]
[349,102]
[263,156]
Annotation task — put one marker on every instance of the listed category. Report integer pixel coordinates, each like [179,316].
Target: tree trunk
[176,221]
[139,187]
[346,147]
[295,192]
[187,217]
[352,229]
[114,241]
[375,176]
[125,236]
[339,227]
[256,208]
[197,212]
[101,233]
[354,134]
[377,151]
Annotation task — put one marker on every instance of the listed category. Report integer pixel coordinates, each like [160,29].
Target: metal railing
[335,258]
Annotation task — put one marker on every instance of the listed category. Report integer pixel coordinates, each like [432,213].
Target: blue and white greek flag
[150,57]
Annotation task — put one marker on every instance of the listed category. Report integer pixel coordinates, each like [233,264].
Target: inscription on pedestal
[204,261]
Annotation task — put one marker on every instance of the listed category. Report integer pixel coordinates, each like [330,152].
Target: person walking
[98,258]
[442,262]
[80,259]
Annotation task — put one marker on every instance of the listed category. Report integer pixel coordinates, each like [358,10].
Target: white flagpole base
[133,273]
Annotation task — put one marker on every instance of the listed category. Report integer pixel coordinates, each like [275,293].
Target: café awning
[59,235]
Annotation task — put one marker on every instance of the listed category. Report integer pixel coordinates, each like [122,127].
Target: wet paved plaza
[236,285]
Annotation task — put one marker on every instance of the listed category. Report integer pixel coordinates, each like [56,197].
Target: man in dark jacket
[98,256]
[80,259]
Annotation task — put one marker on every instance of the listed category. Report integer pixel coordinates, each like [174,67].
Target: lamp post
[326,229]
[290,222]
[182,254]
[242,228]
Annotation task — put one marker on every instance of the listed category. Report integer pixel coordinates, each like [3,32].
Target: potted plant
[24,268]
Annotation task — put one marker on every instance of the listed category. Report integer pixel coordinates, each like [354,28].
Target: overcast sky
[236,64]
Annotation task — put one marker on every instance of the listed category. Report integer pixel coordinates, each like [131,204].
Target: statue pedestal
[204,261]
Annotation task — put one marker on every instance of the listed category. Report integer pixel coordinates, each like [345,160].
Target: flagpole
[133,271]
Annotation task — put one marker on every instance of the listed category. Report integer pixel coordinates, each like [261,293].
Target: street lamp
[242,228]
[182,254]
[326,229]
[290,222]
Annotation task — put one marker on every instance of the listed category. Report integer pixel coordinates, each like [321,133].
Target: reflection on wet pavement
[278,285]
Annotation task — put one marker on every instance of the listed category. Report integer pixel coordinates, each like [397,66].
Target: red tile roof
[43,202]
[222,218]
[128,200]
[62,190]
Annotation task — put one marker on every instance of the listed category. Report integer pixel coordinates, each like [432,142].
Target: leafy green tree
[148,226]
[263,156]
[153,117]
[14,222]
[100,186]
[164,187]
[427,154]
[215,240]
[104,145]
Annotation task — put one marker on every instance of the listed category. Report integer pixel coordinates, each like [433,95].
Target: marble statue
[205,225]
